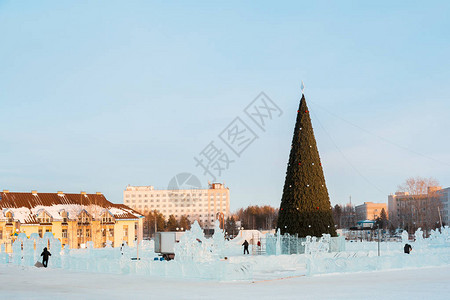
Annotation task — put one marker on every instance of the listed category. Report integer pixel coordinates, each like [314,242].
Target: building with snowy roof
[75,219]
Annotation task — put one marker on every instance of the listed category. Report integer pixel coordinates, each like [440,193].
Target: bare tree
[418,185]
[419,206]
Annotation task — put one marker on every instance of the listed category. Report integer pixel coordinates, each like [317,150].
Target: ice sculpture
[218,241]
[405,237]
[4,257]
[278,245]
[55,259]
[28,252]
[314,246]
[193,246]
[17,252]
[419,236]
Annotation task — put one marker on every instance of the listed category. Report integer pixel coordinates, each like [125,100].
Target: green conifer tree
[305,205]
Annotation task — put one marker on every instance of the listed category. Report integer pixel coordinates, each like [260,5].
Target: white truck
[165,243]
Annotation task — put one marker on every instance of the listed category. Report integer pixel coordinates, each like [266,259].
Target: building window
[83,217]
[125,231]
[80,232]
[111,232]
[106,218]
[64,233]
[88,233]
[44,218]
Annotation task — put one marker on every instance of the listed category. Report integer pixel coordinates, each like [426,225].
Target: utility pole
[440,219]
[379,237]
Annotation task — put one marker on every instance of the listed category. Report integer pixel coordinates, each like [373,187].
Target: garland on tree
[305,205]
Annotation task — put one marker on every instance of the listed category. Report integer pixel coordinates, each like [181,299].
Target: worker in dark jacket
[45,254]
[407,248]
[245,244]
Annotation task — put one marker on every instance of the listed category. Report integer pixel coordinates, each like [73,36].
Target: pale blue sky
[95,95]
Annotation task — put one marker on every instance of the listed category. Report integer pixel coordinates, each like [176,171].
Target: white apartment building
[424,209]
[203,205]
[444,196]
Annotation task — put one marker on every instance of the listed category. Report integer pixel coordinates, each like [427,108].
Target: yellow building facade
[370,211]
[74,219]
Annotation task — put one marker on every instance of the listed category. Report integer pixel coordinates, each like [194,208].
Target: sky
[96,95]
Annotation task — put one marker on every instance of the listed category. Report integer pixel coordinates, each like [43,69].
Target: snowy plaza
[214,268]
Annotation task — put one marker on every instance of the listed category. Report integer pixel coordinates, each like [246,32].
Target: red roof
[29,200]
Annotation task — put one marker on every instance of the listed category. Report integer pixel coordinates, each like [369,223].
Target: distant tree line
[155,221]
[257,217]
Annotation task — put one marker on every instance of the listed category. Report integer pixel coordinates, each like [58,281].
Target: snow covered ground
[19,282]
[216,269]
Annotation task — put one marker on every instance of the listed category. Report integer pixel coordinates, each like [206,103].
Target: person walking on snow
[45,254]
[122,248]
[245,244]
[407,248]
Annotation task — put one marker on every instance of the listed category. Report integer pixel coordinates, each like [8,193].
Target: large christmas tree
[305,205]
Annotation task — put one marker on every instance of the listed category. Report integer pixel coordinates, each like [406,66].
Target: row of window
[176,210]
[164,211]
[178,199]
[83,217]
[80,232]
[170,195]
[170,203]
